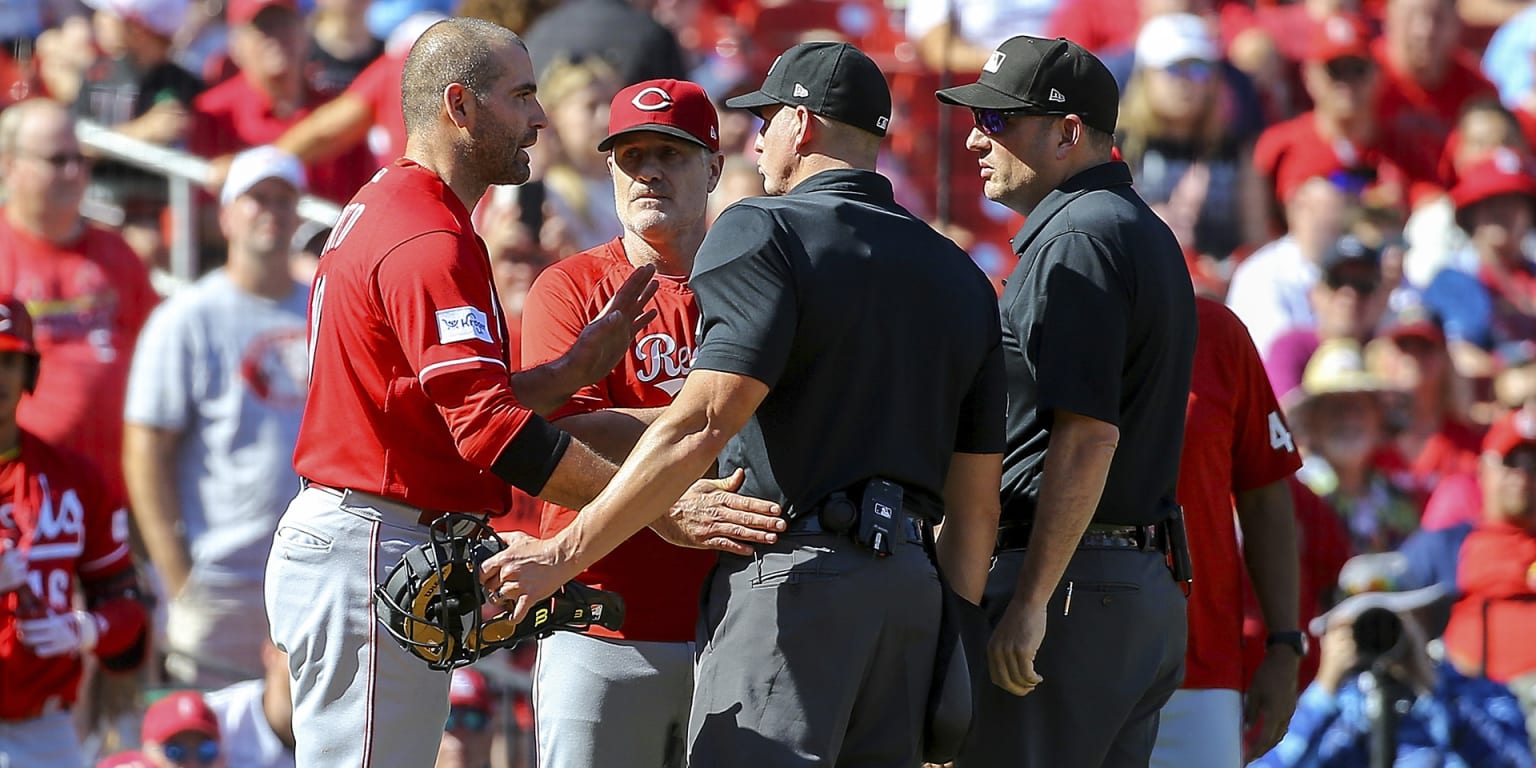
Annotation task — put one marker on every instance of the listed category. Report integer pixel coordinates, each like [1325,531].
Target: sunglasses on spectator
[472,720]
[1347,69]
[1193,70]
[207,751]
[994,121]
[1363,286]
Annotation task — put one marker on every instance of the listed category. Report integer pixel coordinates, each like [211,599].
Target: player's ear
[716,167]
[458,104]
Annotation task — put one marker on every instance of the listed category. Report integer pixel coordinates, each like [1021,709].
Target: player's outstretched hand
[526,571]
[13,567]
[1271,699]
[603,342]
[1011,651]
[711,515]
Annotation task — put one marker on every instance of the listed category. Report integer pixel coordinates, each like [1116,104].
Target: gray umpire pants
[814,652]
[1109,664]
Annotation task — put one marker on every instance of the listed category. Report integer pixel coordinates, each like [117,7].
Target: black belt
[810,522]
[1145,538]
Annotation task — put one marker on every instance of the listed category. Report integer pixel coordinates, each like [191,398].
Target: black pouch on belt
[880,515]
[1178,547]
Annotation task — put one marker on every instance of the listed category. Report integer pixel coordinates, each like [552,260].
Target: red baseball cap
[243,11]
[1504,172]
[1340,36]
[1511,431]
[15,327]
[1417,322]
[179,712]
[126,760]
[674,107]
[469,689]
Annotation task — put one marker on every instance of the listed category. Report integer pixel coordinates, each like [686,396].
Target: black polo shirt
[1098,320]
[878,337]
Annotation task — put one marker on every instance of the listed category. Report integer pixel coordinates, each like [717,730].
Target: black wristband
[528,461]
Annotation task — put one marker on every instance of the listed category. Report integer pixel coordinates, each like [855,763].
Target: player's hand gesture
[603,342]
[1011,651]
[711,515]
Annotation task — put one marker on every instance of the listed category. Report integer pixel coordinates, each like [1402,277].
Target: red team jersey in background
[88,301]
[379,86]
[406,334]
[659,582]
[1234,439]
[70,524]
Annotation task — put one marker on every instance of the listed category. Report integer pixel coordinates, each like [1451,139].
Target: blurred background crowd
[1352,177]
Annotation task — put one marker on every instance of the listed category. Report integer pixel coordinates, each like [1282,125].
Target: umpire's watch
[1296,640]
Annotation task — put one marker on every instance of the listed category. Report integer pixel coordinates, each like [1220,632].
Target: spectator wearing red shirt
[1492,624]
[1437,441]
[1426,78]
[269,95]
[1341,138]
[1235,442]
[1495,203]
[87,291]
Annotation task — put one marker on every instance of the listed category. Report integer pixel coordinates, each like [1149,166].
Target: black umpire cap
[1040,76]
[834,80]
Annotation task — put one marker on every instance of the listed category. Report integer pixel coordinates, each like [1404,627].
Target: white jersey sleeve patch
[462,324]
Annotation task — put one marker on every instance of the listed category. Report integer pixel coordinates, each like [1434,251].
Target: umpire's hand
[711,515]
[1011,651]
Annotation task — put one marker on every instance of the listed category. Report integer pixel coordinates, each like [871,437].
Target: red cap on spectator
[126,760]
[1504,172]
[179,712]
[1511,431]
[242,11]
[15,327]
[674,107]
[1417,322]
[1337,37]
[469,689]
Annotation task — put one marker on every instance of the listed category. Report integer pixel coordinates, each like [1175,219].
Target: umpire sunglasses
[994,121]
[207,751]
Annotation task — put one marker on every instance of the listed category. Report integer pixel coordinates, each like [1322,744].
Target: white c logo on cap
[652,99]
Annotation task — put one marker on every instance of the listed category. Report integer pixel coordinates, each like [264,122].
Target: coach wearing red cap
[664,144]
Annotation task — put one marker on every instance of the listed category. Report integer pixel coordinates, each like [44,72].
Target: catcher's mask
[433,604]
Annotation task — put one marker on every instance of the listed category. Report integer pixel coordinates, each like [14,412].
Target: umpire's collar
[851,181]
[1102,176]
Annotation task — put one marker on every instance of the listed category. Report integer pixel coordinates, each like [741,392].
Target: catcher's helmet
[432,602]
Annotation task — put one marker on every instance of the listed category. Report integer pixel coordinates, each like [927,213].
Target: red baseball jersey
[1234,440]
[56,506]
[88,300]
[659,582]
[410,394]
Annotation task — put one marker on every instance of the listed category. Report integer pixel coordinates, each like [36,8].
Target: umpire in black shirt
[1099,338]
[850,361]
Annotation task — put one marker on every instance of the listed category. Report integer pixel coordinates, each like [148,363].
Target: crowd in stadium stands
[1353,178]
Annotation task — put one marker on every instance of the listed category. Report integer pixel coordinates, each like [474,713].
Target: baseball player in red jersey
[664,138]
[1236,443]
[411,410]
[60,527]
